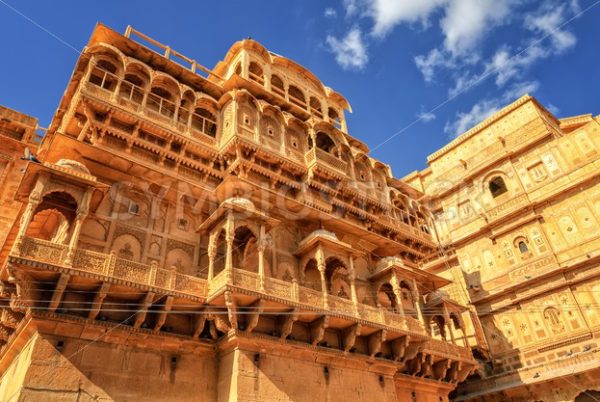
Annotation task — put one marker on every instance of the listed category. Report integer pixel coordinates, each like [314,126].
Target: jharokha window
[497,186]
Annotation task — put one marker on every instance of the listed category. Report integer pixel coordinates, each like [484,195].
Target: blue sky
[420,70]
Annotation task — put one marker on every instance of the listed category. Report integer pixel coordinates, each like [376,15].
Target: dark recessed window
[497,186]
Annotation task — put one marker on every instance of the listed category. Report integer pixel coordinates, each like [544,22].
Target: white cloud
[548,22]
[465,120]
[350,51]
[553,109]
[330,13]
[485,108]
[426,117]
[519,89]
[466,21]
[428,64]
[386,14]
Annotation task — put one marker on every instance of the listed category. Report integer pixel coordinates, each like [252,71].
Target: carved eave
[34,170]
[426,280]
[329,241]
[441,299]
[238,208]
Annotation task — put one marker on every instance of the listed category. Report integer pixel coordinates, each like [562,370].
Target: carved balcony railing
[149,105]
[323,159]
[447,348]
[507,207]
[109,265]
[250,281]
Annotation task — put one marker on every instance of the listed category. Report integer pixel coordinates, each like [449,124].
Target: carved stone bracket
[399,346]
[350,335]
[375,341]
[288,323]
[140,316]
[162,316]
[98,300]
[199,322]
[413,349]
[59,290]
[256,310]
[317,330]
[231,310]
[440,369]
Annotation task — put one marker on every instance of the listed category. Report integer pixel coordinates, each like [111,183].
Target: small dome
[73,165]
[323,233]
[240,201]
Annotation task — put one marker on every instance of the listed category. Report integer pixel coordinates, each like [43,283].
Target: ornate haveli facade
[186,234]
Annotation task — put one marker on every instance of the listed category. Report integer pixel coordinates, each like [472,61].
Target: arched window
[315,107]
[161,101]
[205,122]
[497,186]
[523,247]
[104,75]
[296,96]
[256,73]
[277,85]
[325,142]
[334,117]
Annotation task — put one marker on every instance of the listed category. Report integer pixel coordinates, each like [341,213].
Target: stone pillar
[417,302]
[353,294]
[322,268]
[448,322]
[82,212]
[263,243]
[229,237]
[75,237]
[395,282]
[25,221]
[212,253]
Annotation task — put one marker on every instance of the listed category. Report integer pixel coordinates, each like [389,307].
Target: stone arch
[296,136]
[136,81]
[181,260]
[186,106]
[50,225]
[247,111]
[297,96]
[271,127]
[311,277]
[277,85]
[53,217]
[256,72]
[128,247]
[337,276]
[438,326]
[386,297]
[334,117]
[315,106]
[104,50]
[496,184]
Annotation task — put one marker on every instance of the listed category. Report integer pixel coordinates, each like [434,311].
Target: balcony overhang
[426,280]
[33,171]
[238,205]
[329,240]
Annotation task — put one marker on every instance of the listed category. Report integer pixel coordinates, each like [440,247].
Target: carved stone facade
[217,235]
[516,202]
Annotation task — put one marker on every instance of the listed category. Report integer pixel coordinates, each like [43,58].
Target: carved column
[448,322]
[34,200]
[229,237]
[74,237]
[25,221]
[353,283]
[322,267]
[82,212]
[397,294]
[212,253]
[263,243]
[417,302]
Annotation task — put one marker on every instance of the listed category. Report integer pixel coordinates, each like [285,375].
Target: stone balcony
[318,159]
[44,255]
[41,253]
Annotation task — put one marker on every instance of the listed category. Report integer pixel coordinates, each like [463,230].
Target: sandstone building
[186,234]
